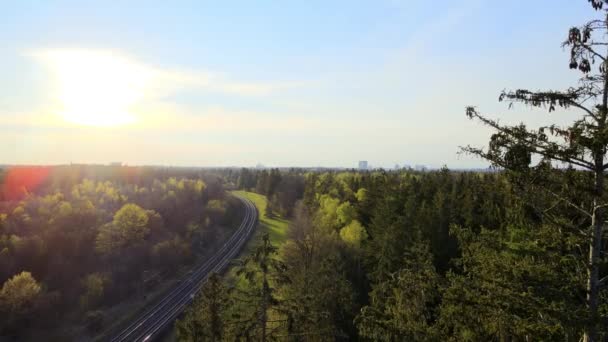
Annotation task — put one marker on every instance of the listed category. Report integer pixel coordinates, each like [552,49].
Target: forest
[516,253]
[75,239]
[382,255]
[405,255]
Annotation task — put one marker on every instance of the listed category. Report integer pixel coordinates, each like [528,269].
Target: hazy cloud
[165,80]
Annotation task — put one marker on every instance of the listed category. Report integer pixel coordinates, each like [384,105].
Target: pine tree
[581,146]
[518,286]
[403,307]
[255,316]
[205,320]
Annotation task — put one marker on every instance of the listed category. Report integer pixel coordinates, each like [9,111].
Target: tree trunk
[595,243]
[265,301]
[593,270]
[597,221]
[265,291]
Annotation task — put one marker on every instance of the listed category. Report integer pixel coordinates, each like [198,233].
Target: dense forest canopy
[80,238]
[440,255]
[381,255]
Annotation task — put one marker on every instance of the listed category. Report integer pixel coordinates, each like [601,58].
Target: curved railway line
[153,321]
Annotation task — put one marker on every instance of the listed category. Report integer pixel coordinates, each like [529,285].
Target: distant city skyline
[305,84]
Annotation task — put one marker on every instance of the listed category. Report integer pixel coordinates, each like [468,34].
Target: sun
[97,88]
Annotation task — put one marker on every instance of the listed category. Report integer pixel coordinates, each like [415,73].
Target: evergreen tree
[582,145]
[255,314]
[520,286]
[403,307]
[205,320]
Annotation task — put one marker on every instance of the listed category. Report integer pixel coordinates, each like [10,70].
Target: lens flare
[18,182]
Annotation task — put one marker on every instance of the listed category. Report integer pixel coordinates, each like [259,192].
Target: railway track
[152,322]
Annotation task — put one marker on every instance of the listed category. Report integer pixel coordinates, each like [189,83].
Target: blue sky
[283,83]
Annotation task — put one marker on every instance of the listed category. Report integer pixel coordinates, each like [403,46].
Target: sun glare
[97,88]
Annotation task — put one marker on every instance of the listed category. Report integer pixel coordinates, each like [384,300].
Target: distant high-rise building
[363,165]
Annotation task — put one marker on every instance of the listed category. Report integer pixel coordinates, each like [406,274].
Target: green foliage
[282,188]
[275,226]
[256,303]
[346,213]
[327,215]
[361,195]
[535,159]
[94,285]
[423,281]
[373,255]
[90,233]
[128,228]
[403,307]
[379,256]
[109,239]
[317,297]
[353,234]
[206,319]
[19,293]
[171,252]
[513,288]
[132,221]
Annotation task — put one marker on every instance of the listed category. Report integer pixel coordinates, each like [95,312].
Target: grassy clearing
[275,226]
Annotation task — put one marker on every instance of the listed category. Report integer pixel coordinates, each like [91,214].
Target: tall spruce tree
[256,317]
[403,306]
[205,320]
[538,159]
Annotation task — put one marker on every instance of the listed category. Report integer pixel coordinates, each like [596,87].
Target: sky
[281,83]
